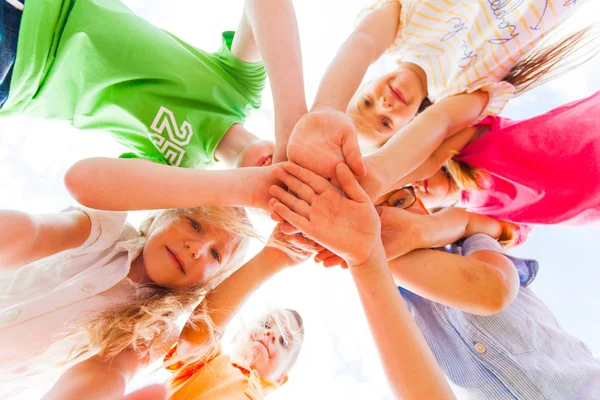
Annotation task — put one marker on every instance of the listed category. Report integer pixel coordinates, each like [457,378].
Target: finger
[303,191]
[349,184]
[296,220]
[292,202]
[287,228]
[323,254]
[345,265]
[333,261]
[352,154]
[153,392]
[316,182]
[276,217]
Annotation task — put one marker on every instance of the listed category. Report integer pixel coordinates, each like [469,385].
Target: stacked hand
[343,221]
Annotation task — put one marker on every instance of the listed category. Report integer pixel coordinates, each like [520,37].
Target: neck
[233,142]
[137,271]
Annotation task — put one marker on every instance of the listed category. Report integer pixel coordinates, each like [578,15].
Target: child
[98,65]
[85,294]
[467,58]
[265,350]
[529,171]
[492,337]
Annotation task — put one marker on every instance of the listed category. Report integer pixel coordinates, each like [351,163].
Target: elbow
[499,293]
[79,181]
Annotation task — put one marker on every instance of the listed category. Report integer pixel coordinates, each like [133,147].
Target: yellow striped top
[469,45]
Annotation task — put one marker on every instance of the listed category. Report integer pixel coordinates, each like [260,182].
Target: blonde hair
[146,323]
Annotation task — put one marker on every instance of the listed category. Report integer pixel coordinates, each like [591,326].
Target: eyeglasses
[401,198]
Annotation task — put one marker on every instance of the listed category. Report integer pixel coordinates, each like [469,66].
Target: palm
[317,142]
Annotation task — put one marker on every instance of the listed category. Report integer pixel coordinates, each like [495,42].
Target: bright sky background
[338,359]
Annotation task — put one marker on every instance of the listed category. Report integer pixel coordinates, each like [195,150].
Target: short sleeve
[105,229]
[159,160]
[251,77]
[527,268]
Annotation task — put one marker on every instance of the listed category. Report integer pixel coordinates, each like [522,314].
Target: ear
[282,379]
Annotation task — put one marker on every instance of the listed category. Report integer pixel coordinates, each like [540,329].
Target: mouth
[397,94]
[265,161]
[264,344]
[176,260]
[425,186]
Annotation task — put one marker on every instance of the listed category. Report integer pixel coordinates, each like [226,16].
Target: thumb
[349,184]
[352,154]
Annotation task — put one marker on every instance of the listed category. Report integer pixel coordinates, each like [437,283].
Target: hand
[292,249]
[348,224]
[152,392]
[323,139]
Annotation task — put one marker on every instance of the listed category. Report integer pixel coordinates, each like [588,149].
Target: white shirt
[469,45]
[41,301]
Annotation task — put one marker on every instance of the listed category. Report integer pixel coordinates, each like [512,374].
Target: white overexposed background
[338,359]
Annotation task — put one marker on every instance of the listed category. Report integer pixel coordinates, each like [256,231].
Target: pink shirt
[544,170]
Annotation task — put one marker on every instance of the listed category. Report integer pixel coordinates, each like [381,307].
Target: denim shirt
[519,353]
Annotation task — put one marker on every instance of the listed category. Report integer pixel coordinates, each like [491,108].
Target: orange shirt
[220,378]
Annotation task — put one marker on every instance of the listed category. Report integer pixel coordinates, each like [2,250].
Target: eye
[366,102]
[386,123]
[283,342]
[195,226]
[399,203]
[215,254]
[267,323]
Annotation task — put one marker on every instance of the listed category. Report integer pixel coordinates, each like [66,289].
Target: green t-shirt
[97,64]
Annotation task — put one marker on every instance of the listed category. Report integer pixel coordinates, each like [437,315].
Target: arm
[409,364]
[366,44]
[26,238]
[282,57]
[132,184]
[483,283]
[423,135]
[96,379]
[349,225]
[227,298]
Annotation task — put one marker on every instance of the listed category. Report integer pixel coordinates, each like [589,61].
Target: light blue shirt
[519,353]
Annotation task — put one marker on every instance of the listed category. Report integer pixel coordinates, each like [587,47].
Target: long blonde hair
[147,323]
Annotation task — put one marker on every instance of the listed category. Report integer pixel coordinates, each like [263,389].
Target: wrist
[375,259]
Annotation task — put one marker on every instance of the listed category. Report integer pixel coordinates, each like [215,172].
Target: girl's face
[182,251]
[434,190]
[270,343]
[386,104]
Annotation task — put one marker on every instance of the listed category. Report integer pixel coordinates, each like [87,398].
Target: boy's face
[270,344]
[256,154]
[182,251]
[385,104]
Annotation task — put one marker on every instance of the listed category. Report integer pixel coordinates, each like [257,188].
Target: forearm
[364,46]
[408,362]
[465,283]
[283,60]
[132,184]
[227,298]
[25,238]
[95,379]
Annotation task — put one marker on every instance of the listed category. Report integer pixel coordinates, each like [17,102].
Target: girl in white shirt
[82,291]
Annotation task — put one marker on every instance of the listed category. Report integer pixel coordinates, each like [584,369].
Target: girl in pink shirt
[542,170]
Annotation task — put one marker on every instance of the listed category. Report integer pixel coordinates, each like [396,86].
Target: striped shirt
[470,45]
[519,353]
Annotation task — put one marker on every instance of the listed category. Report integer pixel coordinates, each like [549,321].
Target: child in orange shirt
[264,350]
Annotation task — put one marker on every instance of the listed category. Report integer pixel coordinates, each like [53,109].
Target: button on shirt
[42,300]
[519,353]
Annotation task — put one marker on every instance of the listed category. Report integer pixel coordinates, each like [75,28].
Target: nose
[270,334]
[197,248]
[385,102]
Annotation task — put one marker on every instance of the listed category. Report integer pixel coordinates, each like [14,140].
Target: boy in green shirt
[98,65]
